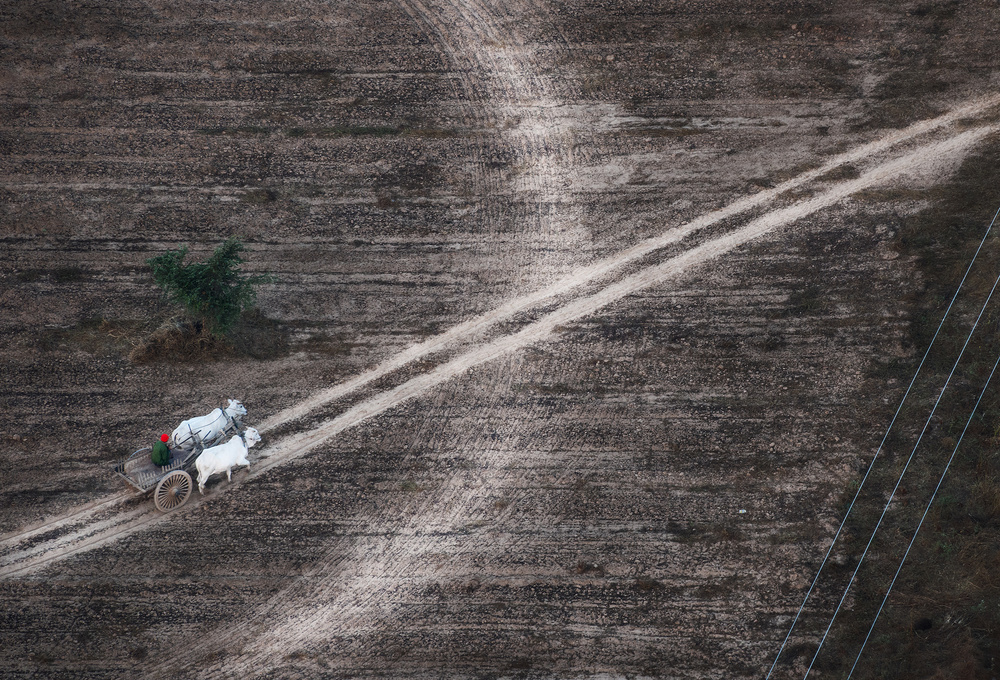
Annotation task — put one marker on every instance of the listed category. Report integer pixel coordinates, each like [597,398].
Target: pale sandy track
[590,273]
[79,515]
[340,594]
[499,79]
[96,531]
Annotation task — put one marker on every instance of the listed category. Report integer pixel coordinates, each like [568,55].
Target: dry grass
[181,339]
[178,339]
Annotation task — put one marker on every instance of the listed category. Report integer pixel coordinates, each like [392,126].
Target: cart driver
[161,454]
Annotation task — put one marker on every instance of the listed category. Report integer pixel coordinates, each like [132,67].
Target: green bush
[213,290]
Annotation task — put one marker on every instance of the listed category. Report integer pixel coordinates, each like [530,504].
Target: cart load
[209,430]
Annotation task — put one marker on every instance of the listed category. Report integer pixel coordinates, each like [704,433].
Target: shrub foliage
[214,290]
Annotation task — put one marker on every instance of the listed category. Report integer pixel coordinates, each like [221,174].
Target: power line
[871,465]
[899,481]
[924,516]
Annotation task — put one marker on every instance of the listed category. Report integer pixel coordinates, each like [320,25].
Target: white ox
[207,427]
[224,457]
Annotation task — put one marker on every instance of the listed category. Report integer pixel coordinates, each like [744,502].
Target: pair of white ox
[221,458]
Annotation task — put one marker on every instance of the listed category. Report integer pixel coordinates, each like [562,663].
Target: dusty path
[597,270]
[92,527]
[90,530]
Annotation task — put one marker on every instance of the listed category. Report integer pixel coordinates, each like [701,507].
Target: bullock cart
[171,484]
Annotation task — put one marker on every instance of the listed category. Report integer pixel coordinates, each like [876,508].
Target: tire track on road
[543,329]
[590,273]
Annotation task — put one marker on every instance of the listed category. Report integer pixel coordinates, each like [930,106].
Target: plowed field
[584,307]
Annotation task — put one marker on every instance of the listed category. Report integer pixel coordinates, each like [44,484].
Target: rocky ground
[614,283]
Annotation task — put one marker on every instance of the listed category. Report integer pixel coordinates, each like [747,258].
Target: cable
[900,480]
[924,516]
[879,450]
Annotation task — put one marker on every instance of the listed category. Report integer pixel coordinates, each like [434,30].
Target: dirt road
[91,526]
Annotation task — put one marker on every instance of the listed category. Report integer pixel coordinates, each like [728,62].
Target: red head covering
[164,438]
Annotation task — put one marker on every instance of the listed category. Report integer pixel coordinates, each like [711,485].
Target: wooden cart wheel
[172,491]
